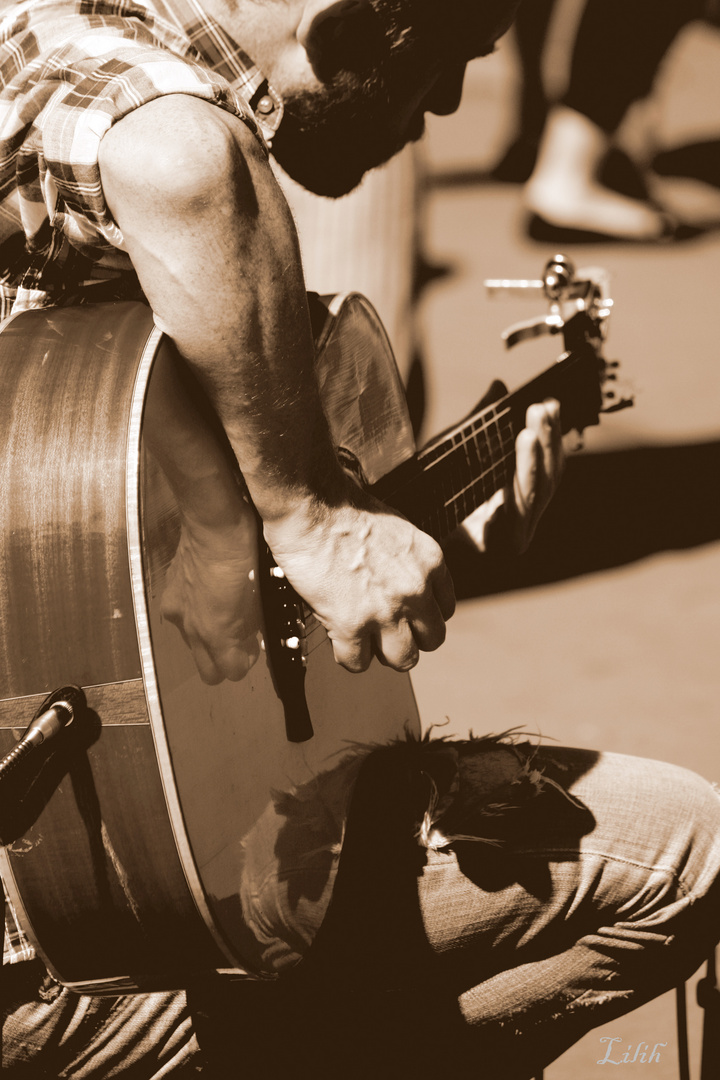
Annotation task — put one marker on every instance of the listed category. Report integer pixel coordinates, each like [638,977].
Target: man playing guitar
[135,153]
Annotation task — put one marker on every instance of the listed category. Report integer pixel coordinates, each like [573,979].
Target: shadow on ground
[612,509]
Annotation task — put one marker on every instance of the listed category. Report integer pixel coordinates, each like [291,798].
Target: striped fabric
[69,69]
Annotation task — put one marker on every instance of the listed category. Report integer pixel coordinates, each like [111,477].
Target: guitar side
[162,840]
[81,875]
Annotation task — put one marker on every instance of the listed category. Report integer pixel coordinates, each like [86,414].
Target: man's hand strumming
[379,585]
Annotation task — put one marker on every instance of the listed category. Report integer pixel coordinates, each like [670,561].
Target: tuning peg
[511,287]
[623,403]
[568,292]
[556,283]
[558,277]
[532,328]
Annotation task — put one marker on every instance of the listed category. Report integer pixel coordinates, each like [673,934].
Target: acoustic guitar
[187,823]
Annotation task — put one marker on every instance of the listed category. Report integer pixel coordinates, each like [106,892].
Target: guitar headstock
[579,307]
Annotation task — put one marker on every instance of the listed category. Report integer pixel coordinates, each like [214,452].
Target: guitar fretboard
[454,474]
[457,473]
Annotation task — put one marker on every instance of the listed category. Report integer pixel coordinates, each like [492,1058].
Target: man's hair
[390,52]
[465,27]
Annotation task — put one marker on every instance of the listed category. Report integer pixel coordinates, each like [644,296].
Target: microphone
[55,714]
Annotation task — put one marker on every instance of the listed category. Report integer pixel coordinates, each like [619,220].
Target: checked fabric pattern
[69,69]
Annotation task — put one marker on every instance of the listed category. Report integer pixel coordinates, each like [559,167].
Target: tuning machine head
[558,278]
[566,290]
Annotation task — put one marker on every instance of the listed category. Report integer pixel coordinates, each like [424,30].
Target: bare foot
[564,191]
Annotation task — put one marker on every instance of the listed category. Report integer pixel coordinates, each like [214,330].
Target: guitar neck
[460,469]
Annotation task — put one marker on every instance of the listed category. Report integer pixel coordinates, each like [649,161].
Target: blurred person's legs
[618,50]
[530,31]
[698,159]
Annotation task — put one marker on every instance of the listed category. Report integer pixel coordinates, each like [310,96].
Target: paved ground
[608,638]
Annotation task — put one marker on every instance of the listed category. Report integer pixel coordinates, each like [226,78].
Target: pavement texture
[606,634]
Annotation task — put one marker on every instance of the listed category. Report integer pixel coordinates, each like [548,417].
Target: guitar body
[179,827]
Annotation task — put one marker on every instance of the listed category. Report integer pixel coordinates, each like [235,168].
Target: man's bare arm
[215,249]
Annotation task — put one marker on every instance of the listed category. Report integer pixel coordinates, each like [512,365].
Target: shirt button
[265,105]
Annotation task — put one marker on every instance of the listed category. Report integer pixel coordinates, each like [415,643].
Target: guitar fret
[479,480]
[439,519]
[436,522]
[467,503]
[464,469]
[438,452]
[467,463]
[473,453]
[458,469]
[493,445]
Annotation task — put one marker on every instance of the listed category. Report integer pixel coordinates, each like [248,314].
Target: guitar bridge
[285,634]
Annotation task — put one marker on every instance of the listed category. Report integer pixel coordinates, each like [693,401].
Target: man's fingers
[235,660]
[550,436]
[539,464]
[208,670]
[397,647]
[354,653]
[528,467]
[543,419]
[510,517]
[378,584]
[424,628]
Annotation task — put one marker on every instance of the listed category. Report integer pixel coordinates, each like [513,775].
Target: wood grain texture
[91,848]
[116,703]
[67,614]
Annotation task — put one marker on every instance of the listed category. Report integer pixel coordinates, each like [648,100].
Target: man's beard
[328,139]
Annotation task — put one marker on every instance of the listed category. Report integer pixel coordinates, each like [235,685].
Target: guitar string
[470,439]
[468,487]
[469,429]
[477,424]
[470,425]
[501,435]
[468,433]
[488,473]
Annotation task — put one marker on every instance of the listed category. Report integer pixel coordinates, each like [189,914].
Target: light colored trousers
[492,958]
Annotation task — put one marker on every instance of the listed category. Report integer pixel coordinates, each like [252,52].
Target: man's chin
[329,167]
[332,181]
